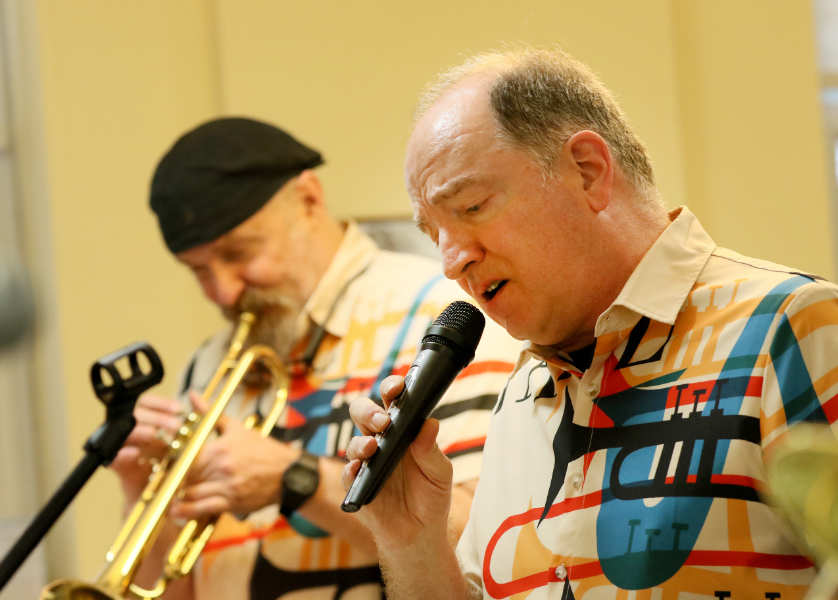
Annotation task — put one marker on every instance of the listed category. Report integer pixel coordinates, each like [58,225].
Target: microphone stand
[119,395]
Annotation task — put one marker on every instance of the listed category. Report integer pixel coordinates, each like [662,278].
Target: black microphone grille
[460,320]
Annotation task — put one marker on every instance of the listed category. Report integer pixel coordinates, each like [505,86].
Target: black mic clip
[119,394]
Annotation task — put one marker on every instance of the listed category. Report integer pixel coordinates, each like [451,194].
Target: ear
[591,159]
[310,190]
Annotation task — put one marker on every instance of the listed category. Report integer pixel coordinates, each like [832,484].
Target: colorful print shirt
[373,327]
[638,476]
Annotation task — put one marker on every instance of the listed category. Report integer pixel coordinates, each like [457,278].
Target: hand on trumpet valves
[239,471]
[158,419]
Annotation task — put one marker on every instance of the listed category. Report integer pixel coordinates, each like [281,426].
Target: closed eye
[235,254]
[474,208]
[427,231]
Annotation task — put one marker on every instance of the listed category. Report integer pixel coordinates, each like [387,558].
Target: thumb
[200,406]
[430,459]
[425,441]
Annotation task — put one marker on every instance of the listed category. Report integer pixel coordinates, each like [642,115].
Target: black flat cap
[220,173]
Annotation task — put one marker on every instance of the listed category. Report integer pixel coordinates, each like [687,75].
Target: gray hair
[542,97]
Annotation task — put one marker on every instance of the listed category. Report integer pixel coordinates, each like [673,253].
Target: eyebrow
[452,188]
[228,241]
[421,226]
[417,220]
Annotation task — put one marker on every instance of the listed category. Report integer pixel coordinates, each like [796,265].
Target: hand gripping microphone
[447,347]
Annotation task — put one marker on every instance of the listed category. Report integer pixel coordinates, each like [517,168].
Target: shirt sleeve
[801,377]
[469,559]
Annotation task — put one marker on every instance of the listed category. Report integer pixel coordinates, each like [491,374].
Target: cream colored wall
[755,155]
[122,79]
[344,76]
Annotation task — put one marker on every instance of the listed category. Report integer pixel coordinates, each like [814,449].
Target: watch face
[300,479]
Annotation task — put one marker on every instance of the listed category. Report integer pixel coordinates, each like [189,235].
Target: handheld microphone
[447,347]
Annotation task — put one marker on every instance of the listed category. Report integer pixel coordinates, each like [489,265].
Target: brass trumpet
[144,522]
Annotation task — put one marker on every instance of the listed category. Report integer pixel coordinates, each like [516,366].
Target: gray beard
[277,317]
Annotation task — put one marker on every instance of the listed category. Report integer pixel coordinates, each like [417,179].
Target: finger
[159,420]
[350,470]
[201,407]
[150,440]
[141,435]
[133,471]
[160,404]
[203,490]
[206,507]
[198,403]
[201,468]
[216,460]
[390,388]
[368,416]
[126,460]
[361,448]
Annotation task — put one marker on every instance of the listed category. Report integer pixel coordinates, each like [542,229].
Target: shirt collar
[659,285]
[355,252]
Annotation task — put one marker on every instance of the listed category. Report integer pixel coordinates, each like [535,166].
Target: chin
[517,330]
[532,332]
[519,336]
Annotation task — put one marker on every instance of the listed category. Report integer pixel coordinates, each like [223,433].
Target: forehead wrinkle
[451,188]
[449,144]
[451,130]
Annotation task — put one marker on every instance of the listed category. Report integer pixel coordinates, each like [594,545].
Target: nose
[458,253]
[226,287]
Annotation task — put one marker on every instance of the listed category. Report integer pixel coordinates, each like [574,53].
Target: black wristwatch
[299,482]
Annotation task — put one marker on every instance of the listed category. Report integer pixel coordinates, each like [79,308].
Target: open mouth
[491,291]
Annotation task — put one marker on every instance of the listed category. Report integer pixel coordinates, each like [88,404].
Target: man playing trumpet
[239,204]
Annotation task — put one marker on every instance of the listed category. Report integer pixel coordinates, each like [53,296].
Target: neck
[627,229]
[328,236]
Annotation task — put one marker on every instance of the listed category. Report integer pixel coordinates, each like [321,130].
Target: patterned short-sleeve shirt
[638,476]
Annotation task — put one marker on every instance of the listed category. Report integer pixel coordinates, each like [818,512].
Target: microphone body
[447,347]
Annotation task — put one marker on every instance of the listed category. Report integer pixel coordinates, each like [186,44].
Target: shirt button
[593,388]
[576,481]
[561,573]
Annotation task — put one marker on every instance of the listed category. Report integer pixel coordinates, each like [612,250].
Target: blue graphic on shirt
[654,503]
